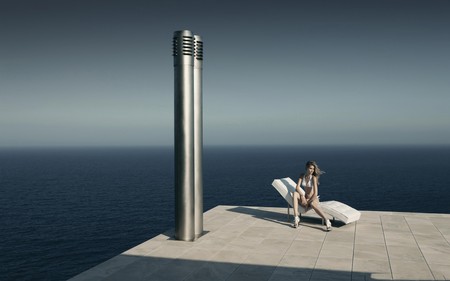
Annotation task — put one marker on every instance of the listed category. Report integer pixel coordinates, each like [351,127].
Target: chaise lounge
[337,210]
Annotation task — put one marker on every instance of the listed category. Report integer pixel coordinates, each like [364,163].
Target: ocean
[65,210]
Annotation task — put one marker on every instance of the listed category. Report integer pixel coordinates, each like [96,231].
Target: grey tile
[310,234]
[228,256]
[375,276]
[106,268]
[285,233]
[440,271]
[444,230]
[144,248]
[437,255]
[369,228]
[305,248]
[168,235]
[371,266]
[168,251]
[257,232]
[227,233]
[296,261]
[256,243]
[419,222]
[213,243]
[270,223]
[370,252]
[213,271]
[244,243]
[270,246]
[399,239]
[397,218]
[176,270]
[199,254]
[447,237]
[290,274]
[263,259]
[247,272]
[337,250]
[431,240]
[369,218]
[347,237]
[327,275]
[405,253]
[395,224]
[338,264]
[443,222]
[370,238]
[138,271]
[363,276]
[415,270]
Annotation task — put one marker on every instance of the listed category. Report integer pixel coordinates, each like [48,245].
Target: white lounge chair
[336,209]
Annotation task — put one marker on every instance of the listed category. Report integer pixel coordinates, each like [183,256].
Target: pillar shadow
[140,268]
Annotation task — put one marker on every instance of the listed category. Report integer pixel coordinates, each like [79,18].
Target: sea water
[65,210]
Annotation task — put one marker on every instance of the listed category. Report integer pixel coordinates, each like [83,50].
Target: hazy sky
[275,72]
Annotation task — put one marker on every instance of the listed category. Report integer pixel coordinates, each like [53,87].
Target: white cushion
[286,188]
[340,211]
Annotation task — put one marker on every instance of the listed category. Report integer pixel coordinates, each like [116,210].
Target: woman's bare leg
[315,206]
[295,199]
[298,199]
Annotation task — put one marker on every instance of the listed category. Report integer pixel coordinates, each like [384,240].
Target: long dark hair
[317,172]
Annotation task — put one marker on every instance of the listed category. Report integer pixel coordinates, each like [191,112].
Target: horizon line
[220,145]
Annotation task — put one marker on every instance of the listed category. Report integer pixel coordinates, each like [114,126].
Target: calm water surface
[66,210]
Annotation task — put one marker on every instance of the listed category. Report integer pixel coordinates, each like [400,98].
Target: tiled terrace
[257,243]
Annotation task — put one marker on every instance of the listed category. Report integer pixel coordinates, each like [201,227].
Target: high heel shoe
[328,224]
[296,221]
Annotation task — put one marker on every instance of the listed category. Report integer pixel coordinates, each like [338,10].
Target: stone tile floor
[258,243]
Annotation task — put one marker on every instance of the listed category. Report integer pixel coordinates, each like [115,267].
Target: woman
[309,181]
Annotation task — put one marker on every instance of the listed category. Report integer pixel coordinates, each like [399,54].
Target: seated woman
[309,181]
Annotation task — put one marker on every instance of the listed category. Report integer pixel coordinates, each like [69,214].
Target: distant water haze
[275,72]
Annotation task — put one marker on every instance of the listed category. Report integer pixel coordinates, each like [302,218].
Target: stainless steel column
[183,52]
[198,135]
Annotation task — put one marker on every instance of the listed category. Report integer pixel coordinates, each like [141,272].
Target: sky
[100,73]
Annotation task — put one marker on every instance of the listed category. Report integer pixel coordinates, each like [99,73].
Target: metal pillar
[198,135]
[183,52]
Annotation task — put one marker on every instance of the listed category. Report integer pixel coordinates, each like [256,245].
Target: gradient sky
[100,73]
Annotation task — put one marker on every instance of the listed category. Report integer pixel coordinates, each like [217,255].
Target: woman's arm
[297,188]
[313,194]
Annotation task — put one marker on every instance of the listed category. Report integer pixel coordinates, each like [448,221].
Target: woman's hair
[317,171]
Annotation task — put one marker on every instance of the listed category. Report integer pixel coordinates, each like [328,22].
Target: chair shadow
[262,214]
[280,218]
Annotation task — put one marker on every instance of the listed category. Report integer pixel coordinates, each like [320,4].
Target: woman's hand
[303,201]
[310,200]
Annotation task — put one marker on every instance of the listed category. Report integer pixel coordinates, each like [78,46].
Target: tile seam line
[385,245]
[317,259]
[237,267]
[448,242]
[353,255]
[285,254]
[205,262]
[415,240]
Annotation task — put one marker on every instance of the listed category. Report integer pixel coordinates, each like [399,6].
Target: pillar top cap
[183,33]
